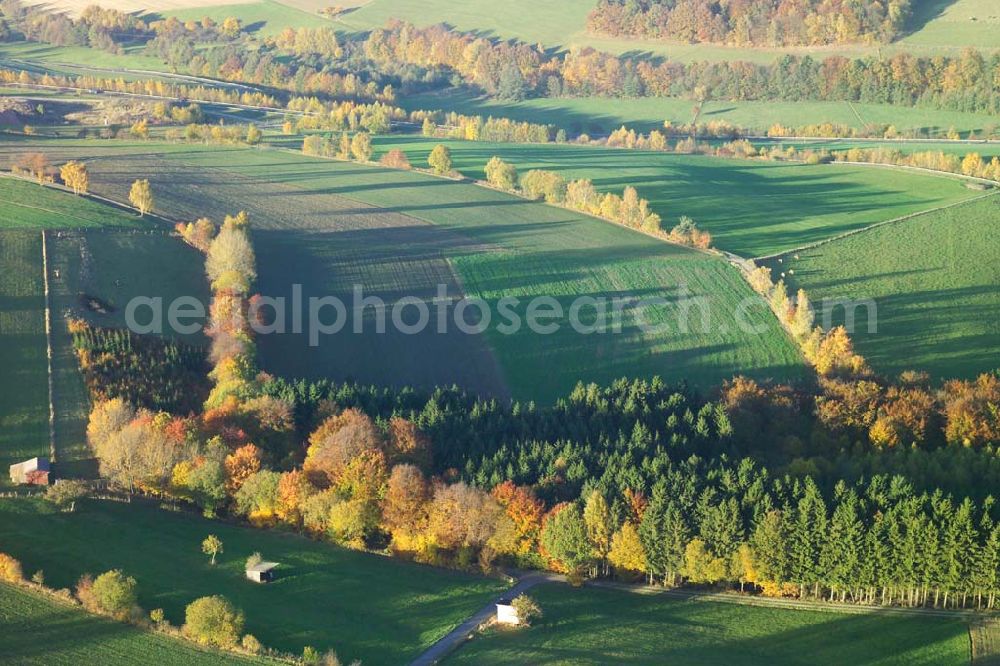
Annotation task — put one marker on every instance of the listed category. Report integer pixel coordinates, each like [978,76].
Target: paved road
[461,633]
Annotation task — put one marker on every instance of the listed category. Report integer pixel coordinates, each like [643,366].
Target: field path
[461,633]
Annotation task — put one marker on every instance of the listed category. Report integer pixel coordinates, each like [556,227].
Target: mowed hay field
[24,413]
[367,607]
[752,208]
[43,631]
[933,280]
[592,626]
[598,116]
[330,225]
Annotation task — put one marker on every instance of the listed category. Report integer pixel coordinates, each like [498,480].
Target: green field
[599,115]
[588,626]
[330,225]
[24,431]
[37,630]
[265,18]
[934,281]
[27,205]
[95,250]
[366,607]
[562,23]
[752,208]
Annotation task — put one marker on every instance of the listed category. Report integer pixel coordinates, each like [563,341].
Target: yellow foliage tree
[74,175]
[141,196]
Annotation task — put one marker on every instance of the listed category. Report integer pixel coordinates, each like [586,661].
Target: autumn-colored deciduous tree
[407,444]
[440,159]
[240,465]
[395,159]
[404,510]
[212,546]
[74,176]
[701,565]
[198,234]
[213,621]
[626,551]
[337,441]
[115,593]
[141,196]
[361,146]
[501,174]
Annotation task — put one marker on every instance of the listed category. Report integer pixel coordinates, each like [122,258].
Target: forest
[871,502]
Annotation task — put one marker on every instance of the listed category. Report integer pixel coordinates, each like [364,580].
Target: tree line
[761,23]
[514,70]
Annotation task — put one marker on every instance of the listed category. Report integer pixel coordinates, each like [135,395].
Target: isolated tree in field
[212,545]
[114,593]
[65,492]
[254,135]
[501,174]
[74,176]
[361,146]
[141,196]
[213,621]
[440,159]
[527,609]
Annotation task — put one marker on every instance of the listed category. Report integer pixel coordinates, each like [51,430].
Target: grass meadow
[366,607]
[938,27]
[39,630]
[598,116]
[95,250]
[752,208]
[933,280]
[24,414]
[592,626]
[329,225]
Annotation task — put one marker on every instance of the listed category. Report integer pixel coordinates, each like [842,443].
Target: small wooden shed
[506,613]
[33,472]
[262,572]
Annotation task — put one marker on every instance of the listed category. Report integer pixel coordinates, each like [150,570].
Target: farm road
[461,633]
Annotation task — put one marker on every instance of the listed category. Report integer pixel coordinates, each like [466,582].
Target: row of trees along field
[315,61]
[760,22]
[512,71]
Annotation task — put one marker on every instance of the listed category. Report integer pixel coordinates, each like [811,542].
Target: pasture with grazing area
[933,280]
[593,626]
[752,208]
[43,631]
[364,606]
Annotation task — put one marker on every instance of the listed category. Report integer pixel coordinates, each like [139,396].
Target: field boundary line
[48,347]
[854,232]
[88,195]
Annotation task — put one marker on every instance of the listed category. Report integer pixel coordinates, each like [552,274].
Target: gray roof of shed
[263,566]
